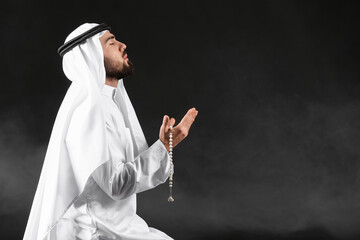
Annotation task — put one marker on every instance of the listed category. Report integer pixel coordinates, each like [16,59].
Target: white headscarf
[77,144]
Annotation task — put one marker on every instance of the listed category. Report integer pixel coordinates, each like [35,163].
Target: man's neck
[111,82]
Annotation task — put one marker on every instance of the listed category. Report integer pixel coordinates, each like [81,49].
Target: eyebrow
[111,37]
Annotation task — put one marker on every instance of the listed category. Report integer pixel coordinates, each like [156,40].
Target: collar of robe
[82,38]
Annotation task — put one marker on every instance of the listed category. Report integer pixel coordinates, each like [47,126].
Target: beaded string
[171,199]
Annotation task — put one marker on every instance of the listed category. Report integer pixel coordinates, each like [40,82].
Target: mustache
[125,52]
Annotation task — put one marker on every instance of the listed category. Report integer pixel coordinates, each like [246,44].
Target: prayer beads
[171,199]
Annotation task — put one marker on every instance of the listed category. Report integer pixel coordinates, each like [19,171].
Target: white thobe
[107,207]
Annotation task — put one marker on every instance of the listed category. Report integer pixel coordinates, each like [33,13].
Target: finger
[172,121]
[192,115]
[195,114]
[166,121]
[189,118]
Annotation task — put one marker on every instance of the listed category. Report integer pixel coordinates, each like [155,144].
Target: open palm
[180,131]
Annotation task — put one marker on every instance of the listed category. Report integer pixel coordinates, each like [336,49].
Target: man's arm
[123,175]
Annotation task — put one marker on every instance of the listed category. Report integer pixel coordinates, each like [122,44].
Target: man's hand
[180,131]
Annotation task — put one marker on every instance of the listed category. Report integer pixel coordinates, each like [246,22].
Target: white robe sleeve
[123,174]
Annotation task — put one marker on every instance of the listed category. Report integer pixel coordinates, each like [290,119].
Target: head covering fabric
[68,45]
[77,144]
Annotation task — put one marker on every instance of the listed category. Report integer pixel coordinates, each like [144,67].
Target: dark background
[274,152]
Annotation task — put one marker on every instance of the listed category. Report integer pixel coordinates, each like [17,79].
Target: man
[98,158]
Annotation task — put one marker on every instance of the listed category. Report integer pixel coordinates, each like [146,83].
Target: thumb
[166,121]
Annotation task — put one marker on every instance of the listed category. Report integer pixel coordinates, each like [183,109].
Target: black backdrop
[274,152]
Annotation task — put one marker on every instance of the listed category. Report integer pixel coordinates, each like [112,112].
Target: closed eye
[112,37]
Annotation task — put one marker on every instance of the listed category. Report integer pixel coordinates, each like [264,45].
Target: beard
[117,71]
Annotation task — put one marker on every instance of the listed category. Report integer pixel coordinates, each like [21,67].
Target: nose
[122,46]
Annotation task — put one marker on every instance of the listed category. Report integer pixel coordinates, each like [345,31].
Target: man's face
[117,64]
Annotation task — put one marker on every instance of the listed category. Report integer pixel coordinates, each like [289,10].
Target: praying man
[97,158]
